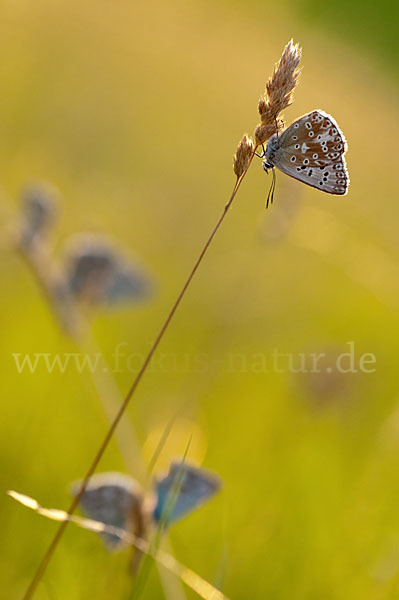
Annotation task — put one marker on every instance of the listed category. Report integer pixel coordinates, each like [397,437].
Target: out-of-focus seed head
[39,206]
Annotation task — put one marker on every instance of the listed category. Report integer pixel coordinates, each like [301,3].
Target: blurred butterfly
[194,486]
[118,500]
[114,499]
[98,273]
[311,150]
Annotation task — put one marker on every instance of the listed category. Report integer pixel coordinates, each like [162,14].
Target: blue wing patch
[114,499]
[98,273]
[129,284]
[194,486]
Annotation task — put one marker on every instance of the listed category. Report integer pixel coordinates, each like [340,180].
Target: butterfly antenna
[270,195]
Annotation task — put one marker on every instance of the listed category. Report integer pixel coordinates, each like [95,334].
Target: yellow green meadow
[280,366]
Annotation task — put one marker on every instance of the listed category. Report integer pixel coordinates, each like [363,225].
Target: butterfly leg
[263,153]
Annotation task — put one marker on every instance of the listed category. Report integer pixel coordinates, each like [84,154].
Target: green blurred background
[134,110]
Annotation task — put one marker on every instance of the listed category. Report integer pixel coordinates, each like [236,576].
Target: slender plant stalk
[49,279]
[171,499]
[278,96]
[194,581]
[71,321]
[54,543]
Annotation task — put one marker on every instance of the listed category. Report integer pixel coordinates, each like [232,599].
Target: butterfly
[118,500]
[311,150]
[99,273]
[114,499]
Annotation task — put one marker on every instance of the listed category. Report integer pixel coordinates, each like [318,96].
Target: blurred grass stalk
[36,254]
[277,97]
[33,248]
[149,549]
[170,503]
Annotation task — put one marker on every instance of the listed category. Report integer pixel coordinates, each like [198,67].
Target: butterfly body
[311,150]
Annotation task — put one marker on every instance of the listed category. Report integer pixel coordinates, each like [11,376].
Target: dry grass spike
[278,93]
[243,155]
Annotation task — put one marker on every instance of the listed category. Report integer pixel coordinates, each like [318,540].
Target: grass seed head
[242,156]
[279,92]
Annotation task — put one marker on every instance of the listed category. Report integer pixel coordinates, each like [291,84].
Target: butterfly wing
[312,150]
[129,284]
[89,266]
[114,499]
[98,273]
[194,487]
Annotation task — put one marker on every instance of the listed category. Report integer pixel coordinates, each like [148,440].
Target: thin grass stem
[55,541]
